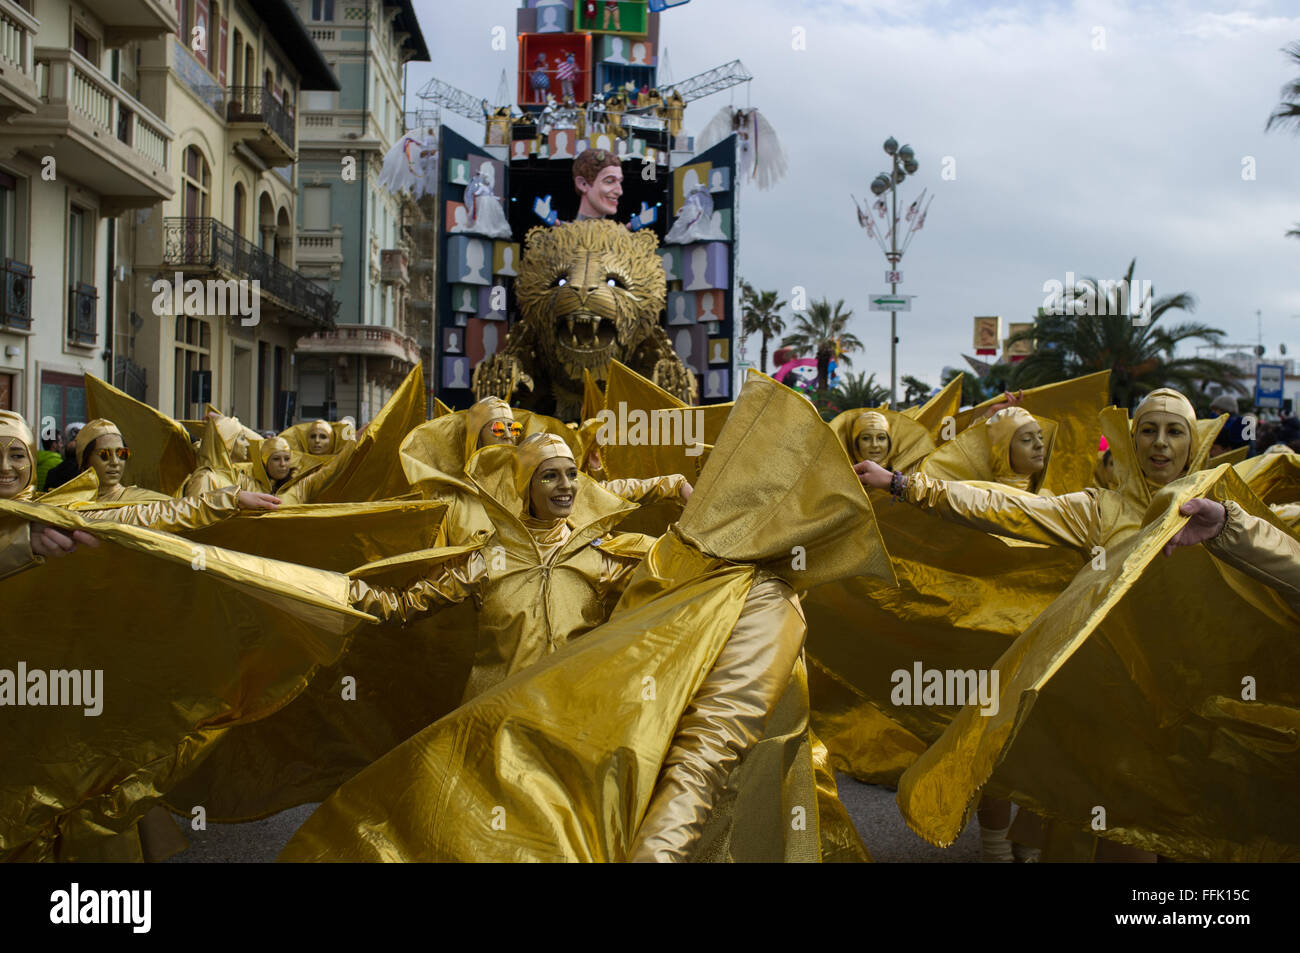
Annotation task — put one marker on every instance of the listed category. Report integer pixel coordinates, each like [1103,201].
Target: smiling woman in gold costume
[890,439]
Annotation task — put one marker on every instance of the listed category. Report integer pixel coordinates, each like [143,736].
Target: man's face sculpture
[15,467]
[553,488]
[600,198]
[873,445]
[109,461]
[239,452]
[1164,444]
[1028,451]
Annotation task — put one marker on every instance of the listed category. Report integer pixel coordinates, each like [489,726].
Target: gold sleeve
[454,581]
[652,490]
[16,547]
[1067,520]
[173,516]
[1261,551]
[302,491]
[725,718]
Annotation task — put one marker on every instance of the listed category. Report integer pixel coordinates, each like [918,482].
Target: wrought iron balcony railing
[207,243]
[257,104]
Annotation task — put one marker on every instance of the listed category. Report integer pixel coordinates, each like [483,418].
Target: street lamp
[903,164]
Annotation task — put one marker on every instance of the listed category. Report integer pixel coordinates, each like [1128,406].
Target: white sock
[996,849]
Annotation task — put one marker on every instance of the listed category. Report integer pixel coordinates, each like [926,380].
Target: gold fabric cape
[909,440]
[162,456]
[937,409]
[1127,695]
[563,760]
[214,639]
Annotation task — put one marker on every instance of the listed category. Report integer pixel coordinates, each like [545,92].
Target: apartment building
[352,234]
[82,150]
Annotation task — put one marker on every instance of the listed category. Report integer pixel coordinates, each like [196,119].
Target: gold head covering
[274,445]
[329,432]
[12,426]
[484,412]
[1002,427]
[872,419]
[229,429]
[1168,400]
[92,432]
[535,450]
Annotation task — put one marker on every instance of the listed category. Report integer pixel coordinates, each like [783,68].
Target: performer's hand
[1008,400]
[872,474]
[50,542]
[686,491]
[1207,521]
[257,501]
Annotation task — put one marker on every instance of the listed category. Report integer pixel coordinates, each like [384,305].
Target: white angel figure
[411,165]
[694,219]
[759,153]
[486,217]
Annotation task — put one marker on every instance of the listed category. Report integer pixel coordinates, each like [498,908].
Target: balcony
[320,250]
[127,20]
[392,266]
[18,90]
[261,121]
[365,339]
[83,315]
[206,245]
[98,134]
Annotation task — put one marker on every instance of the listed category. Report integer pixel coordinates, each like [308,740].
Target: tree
[820,332]
[1287,112]
[859,390]
[973,390]
[760,314]
[915,390]
[1139,356]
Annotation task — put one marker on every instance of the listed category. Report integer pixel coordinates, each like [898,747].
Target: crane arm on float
[709,82]
[455,100]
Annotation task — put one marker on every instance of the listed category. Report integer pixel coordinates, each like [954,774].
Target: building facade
[354,237]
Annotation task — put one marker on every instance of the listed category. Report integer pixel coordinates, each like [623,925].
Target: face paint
[1028,452]
[110,471]
[873,445]
[319,439]
[278,465]
[239,452]
[15,467]
[553,489]
[499,432]
[1164,444]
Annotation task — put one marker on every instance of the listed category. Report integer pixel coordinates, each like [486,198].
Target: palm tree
[820,331]
[859,390]
[915,390]
[760,314]
[1140,357]
[973,390]
[1287,112]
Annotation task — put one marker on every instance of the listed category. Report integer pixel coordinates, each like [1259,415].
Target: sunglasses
[123,453]
[500,428]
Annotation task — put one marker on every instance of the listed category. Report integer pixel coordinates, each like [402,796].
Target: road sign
[894,277]
[886,302]
[1268,385]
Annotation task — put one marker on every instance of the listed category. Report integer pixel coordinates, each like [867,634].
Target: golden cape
[214,639]
[1127,694]
[563,761]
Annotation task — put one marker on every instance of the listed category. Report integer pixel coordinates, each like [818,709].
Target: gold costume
[909,440]
[164,455]
[244,635]
[587,755]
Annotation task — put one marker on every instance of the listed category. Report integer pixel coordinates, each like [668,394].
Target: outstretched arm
[653,490]
[190,512]
[452,582]
[1067,520]
[1245,542]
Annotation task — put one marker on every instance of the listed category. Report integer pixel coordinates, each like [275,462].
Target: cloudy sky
[1082,135]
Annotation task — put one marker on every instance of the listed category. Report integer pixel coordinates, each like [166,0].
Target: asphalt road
[872,808]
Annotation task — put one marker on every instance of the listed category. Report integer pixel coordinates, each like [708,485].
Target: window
[316,207]
[9,218]
[241,201]
[193,353]
[322,11]
[82,44]
[197,180]
[6,391]
[213,40]
[237,60]
[76,246]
